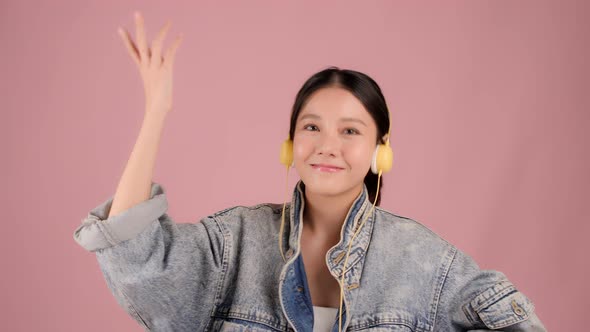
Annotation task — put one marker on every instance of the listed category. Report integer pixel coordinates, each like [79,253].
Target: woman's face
[333,129]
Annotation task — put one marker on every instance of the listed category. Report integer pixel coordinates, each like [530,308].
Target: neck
[323,216]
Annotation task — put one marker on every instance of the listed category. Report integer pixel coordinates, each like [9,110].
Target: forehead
[334,102]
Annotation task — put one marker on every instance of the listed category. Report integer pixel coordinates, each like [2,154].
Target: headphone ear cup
[286,155]
[382,159]
[374,161]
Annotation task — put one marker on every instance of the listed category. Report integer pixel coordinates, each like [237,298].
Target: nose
[328,144]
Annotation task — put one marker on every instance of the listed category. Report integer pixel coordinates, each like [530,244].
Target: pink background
[490,130]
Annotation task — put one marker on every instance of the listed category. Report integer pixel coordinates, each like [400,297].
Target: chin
[326,187]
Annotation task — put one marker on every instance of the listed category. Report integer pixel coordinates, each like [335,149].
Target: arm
[155,68]
[163,274]
[472,299]
[134,185]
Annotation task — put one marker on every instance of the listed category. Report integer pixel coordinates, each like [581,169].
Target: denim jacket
[226,273]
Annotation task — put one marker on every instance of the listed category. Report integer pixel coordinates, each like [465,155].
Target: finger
[157,44]
[131,49]
[151,57]
[171,52]
[141,40]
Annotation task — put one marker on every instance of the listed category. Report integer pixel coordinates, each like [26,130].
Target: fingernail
[136,14]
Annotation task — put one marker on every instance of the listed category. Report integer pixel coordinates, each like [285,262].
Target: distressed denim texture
[225,272]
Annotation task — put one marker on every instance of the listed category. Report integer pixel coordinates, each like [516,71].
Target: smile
[324,168]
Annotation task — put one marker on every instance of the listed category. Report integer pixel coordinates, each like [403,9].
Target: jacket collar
[355,216]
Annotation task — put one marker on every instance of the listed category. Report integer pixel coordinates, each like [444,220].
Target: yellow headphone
[381,163]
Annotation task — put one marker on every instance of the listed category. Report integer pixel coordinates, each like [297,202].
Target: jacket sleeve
[164,274]
[472,299]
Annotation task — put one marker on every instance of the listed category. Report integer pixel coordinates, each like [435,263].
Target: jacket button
[518,310]
[289,253]
[352,286]
[338,258]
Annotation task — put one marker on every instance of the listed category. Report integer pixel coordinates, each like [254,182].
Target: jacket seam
[247,318]
[509,290]
[361,258]
[106,231]
[417,223]
[223,270]
[484,300]
[251,207]
[384,322]
[441,285]
[134,311]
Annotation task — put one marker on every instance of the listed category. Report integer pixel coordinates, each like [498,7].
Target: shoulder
[259,220]
[468,295]
[406,229]
[416,237]
[238,211]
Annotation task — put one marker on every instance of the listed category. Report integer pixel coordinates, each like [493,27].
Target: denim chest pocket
[385,328]
[394,320]
[242,321]
[238,325]
[243,325]
[500,306]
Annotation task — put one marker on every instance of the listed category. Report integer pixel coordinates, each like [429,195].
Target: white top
[323,318]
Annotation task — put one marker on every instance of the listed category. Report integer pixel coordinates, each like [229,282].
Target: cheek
[359,156]
[302,147]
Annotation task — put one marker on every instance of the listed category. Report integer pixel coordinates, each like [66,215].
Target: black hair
[365,89]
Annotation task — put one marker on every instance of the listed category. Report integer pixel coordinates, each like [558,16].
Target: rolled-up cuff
[98,232]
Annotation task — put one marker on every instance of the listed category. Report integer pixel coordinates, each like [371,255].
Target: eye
[310,125]
[352,131]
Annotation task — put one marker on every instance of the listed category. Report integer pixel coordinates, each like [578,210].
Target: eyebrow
[346,119]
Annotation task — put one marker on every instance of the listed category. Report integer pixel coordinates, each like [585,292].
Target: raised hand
[154,67]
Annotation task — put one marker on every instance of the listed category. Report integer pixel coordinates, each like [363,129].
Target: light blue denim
[225,272]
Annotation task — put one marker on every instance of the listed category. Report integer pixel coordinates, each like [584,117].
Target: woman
[225,273]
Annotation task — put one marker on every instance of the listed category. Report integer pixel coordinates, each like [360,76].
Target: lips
[326,167]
